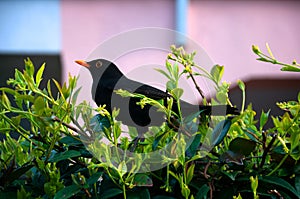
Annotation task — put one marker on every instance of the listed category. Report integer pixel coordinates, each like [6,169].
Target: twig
[56,119]
[266,151]
[196,85]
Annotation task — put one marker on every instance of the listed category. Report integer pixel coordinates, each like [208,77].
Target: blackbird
[107,78]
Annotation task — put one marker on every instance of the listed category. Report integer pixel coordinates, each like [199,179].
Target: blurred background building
[61,31]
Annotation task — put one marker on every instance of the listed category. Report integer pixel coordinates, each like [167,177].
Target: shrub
[56,157]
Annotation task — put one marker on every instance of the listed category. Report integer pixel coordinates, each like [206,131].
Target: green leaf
[64,155]
[29,67]
[241,85]
[202,192]
[17,173]
[163,197]
[142,180]
[255,49]
[5,101]
[71,141]
[254,184]
[190,174]
[110,193]
[242,146]
[220,131]
[163,72]
[75,95]
[231,174]
[279,182]
[122,168]
[297,183]
[8,90]
[177,93]
[171,85]
[58,86]
[94,178]
[290,68]
[99,123]
[138,194]
[39,74]
[263,118]
[39,105]
[217,72]
[67,192]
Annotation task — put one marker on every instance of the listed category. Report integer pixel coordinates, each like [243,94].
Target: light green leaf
[29,67]
[39,74]
[39,105]
[163,72]
[217,72]
[241,85]
[177,93]
[190,174]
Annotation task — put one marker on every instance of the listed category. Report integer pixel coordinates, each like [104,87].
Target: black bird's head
[101,69]
[97,67]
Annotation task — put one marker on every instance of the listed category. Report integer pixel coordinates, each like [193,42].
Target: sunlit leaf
[39,74]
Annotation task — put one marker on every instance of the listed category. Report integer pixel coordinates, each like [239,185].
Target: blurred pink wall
[225,29]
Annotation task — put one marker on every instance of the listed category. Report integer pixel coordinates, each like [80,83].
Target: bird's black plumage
[107,78]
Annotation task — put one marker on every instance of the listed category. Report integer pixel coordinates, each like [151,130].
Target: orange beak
[82,63]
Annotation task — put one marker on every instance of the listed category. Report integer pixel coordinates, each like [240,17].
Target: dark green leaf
[279,182]
[193,147]
[142,180]
[99,123]
[71,141]
[17,173]
[67,192]
[110,193]
[64,155]
[297,183]
[94,178]
[202,192]
[138,194]
[163,197]
[220,131]
[242,146]
[231,174]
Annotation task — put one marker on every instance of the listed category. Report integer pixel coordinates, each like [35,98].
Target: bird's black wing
[137,87]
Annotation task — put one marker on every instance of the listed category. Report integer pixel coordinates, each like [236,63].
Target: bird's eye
[98,64]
